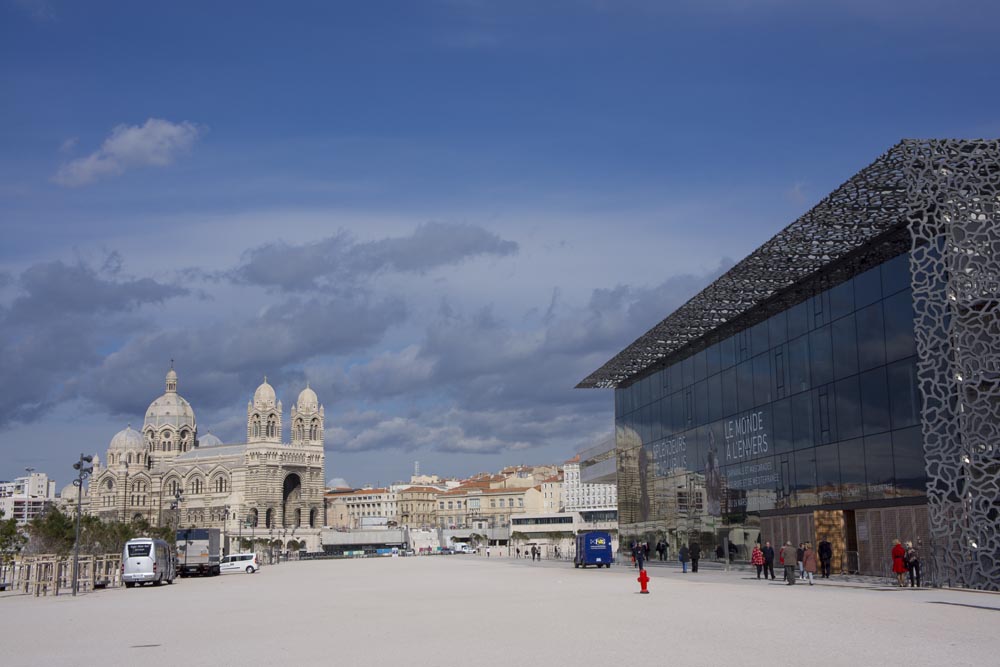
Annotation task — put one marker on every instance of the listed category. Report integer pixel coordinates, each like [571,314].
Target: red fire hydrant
[643,580]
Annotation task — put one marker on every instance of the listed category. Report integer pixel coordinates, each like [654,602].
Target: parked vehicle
[463,548]
[147,560]
[239,563]
[593,548]
[199,551]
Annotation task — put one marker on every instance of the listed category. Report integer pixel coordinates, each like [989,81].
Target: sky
[442,215]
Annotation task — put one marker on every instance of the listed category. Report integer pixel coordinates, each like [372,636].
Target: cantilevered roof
[869,205]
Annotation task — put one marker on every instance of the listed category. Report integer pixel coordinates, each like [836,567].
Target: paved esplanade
[472,611]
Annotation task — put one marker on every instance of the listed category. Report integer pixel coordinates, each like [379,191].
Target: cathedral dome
[169,410]
[264,397]
[209,440]
[127,438]
[308,399]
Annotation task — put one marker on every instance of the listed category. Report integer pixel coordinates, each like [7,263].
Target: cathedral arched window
[129,459]
[255,426]
[173,487]
[314,429]
[220,484]
[252,517]
[197,485]
[182,445]
[312,518]
[167,439]
[269,518]
[272,427]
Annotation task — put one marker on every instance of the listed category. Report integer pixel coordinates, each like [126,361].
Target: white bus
[145,560]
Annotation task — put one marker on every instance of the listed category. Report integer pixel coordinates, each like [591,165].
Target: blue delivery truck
[593,548]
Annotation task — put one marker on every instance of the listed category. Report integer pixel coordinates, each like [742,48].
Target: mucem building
[842,382]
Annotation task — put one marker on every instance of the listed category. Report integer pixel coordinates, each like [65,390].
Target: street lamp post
[83,470]
[125,496]
[225,532]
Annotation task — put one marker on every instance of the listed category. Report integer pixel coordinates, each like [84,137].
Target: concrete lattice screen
[954,198]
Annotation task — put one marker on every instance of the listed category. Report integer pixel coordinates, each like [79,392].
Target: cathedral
[168,474]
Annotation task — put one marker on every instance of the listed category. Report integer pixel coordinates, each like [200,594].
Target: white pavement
[467,610]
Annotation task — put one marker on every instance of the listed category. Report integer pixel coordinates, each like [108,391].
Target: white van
[145,559]
[239,563]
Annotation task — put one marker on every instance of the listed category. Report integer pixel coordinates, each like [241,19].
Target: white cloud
[156,143]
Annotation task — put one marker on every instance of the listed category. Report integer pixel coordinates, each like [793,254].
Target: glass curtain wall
[816,407]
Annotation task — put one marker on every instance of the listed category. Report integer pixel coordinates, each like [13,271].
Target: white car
[239,563]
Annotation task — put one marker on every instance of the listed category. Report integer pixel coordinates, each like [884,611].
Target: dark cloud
[222,362]
[507,388]
[61,318]
[340,260]
[57,289]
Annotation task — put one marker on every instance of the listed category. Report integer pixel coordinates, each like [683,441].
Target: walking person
[912,559]
[825,558]
[683,558]
[640,557]
[799,553]
[788,559]
[694,550]
[898,564]
[757,560]
[809,562]
[768,551]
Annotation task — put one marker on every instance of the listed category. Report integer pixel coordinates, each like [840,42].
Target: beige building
[475,505]
[416,506]
[362,507]
[169,475]
[552,494]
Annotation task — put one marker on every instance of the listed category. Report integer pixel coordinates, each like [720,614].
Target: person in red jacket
[898,564]
[757,559]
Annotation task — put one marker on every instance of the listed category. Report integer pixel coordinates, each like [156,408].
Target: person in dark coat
[683,558]
[825,553]
[788,554]
[912,560]
[695,552]
[798,559]
[768,560]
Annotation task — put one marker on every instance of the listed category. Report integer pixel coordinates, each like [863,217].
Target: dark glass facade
[815,408]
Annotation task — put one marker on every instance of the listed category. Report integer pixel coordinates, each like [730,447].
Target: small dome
[308,399]
[69,491]
[264,397]
[208,440]
[127,438]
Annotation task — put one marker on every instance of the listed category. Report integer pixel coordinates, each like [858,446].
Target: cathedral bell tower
[307,419]
[264,415]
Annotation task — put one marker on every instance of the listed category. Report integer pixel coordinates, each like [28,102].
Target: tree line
[54,532]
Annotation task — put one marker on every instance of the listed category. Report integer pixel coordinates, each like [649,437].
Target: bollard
[643,580]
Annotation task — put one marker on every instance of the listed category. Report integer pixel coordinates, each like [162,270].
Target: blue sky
[442,215]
